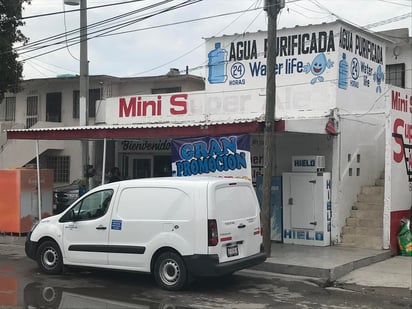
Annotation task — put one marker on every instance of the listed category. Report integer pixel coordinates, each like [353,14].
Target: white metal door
[302,201]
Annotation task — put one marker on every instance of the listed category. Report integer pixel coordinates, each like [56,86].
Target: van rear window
[154,204]
[235,202]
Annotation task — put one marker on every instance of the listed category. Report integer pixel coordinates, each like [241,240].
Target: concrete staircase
[364,227]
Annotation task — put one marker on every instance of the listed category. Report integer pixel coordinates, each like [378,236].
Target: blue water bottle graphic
[343,73]
[217,65]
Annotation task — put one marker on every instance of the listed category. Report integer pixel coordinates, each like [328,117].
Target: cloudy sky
[172,38]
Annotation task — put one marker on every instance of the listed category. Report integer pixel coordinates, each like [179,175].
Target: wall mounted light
[396,51]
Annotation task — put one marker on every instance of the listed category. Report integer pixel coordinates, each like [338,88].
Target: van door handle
[101,227]
[241,226]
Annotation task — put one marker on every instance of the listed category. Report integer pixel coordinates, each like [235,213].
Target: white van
[177,228]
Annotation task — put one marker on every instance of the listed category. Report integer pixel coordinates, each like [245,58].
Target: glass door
[140,167]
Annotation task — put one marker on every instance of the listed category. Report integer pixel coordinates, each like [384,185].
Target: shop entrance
[147,166]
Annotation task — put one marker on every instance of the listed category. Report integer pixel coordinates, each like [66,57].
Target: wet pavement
[22,286]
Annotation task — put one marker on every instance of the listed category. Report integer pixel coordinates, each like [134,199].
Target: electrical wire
[107,30]
[65,31]
[203,43]
[35,61]
[91,26]
[396,3]
[110,33]
[77,10]
[183,22]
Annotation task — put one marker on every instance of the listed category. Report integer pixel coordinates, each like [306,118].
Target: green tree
[10,69]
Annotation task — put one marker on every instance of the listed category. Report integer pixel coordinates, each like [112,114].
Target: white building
[342,92]
[54,103]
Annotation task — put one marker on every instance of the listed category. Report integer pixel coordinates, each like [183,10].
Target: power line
[77,10]
[388,21]
[183,22]
[193,49]
[91,26]
[396,3]
[110,29]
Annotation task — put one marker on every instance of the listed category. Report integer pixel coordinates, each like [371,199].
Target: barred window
[10,114]
[61,167]
[31,111]
[395,75]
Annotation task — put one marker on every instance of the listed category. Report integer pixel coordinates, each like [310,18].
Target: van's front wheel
[49,258]
[170,271]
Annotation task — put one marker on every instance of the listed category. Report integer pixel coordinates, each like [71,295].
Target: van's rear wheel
[49,258]
[170,271]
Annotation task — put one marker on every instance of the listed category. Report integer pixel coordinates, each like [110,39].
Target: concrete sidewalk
[341,264]
[346,265]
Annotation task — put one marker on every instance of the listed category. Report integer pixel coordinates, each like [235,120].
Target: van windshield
[235,202]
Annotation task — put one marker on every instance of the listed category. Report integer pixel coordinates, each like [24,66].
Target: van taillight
[212,232]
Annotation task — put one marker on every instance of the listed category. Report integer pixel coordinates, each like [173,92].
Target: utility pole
[272,7]
[84,84]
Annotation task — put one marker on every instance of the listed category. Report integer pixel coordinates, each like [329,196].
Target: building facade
[343,94]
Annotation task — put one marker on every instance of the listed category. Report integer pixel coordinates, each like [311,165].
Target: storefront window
[162,166]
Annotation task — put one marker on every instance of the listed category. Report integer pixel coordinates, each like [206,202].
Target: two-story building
[343,96]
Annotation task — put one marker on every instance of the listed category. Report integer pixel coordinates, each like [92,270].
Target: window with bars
[54,107]
[395,75]
[31,113]
[94,95]
[10,109]
[61,167]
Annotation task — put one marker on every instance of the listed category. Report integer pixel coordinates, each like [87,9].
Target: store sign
[401,147]
[227,156]
[303,234]
[188,107]
[361,63]
[152,145]
[311,55]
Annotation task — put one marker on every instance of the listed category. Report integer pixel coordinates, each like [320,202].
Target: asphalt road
[22,286]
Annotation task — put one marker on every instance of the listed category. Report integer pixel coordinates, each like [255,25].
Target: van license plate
[232,251]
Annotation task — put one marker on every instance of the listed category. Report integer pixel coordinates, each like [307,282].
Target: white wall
[361,161]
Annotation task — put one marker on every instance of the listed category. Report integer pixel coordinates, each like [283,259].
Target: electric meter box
[308,164]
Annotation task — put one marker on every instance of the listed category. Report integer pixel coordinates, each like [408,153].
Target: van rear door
[234,209]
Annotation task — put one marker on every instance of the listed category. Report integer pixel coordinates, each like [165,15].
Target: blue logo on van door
[116,225]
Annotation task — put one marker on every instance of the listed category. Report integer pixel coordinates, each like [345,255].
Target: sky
[175,38]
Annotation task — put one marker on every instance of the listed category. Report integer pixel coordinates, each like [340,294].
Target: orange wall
[9,201]
[19,199]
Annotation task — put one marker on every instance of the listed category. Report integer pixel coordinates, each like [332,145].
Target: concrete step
[376,214]
[369,223]
[370,206]
[370,198]
[374,190]
[380,182]
[360,230]
[362,241]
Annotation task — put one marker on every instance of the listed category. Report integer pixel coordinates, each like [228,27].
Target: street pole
[272,7]
[84,82]
[84,86]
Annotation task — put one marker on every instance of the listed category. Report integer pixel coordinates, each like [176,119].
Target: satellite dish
[72,2]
